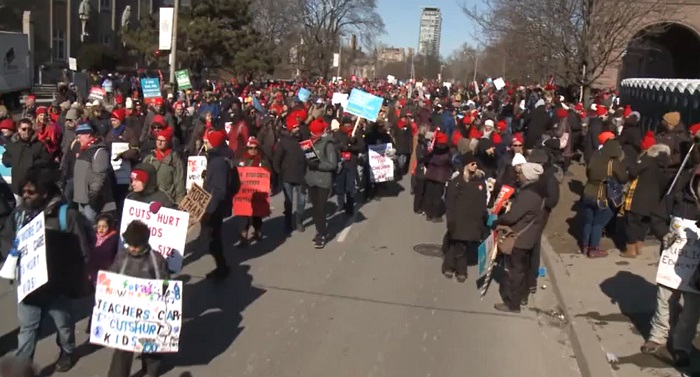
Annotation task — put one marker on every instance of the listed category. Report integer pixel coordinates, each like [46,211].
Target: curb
[585,343]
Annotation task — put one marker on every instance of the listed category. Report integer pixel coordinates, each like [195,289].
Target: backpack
[83,223]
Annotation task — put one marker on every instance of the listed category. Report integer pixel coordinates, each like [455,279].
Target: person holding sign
[170,169]
[137,260]
[252,157]
[350,148]
[319,177]
[66,247]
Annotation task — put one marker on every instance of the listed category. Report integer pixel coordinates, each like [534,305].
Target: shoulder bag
[506,237]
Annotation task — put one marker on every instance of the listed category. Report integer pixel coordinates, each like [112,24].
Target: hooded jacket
[649,188]
[216,181]
[150,192]
[597,170]
[93,178]
[526,208]
[322,175]
[288,159]
[170,174]
[465,201]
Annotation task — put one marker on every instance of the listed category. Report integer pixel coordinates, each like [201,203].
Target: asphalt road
[366,305]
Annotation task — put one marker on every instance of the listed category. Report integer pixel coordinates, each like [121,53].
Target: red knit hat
[7,124]
[518,137]
[318,126]
[694,129]
[502,126]
[158,101]
[562,113]
[440,137]
[627,112]
[216,137]
[649,140]
[601,110]
[158,119]
[252,142]
[139,175]
[119,114]
[166,133]
[42,110]
[605,136]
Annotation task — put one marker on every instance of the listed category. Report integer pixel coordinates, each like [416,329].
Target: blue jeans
[290,191]
[30,317]
[345,185]
[88,212]
[595,219]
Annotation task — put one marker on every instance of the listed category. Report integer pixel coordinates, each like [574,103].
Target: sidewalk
[609,301]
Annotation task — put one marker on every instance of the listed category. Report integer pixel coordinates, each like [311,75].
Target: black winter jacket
[21,155]
[465,202]
[288,159]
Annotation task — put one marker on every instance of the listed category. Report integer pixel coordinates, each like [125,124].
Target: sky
[402,17]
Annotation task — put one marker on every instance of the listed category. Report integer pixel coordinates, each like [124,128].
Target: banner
[196,165]
[97,93]
[484,254]
[168,229]
[165,37]
[182,78]
[253,199]
[503,196]
[136,315]
[195,203]
[121,167]
[679,261]
[382,167]
[340,99]
[304,95]
[150,88]
[33,269]
[309,152]
[364,105]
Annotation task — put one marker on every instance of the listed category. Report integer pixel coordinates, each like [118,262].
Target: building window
[106,39]
[59,44]
[105,4]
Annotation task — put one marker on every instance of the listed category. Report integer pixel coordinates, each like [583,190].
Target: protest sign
[258,107]
[97,93]
[364,105]
[73,64]
[304,94]
[382,167]
[195,203]
[168,229]
[196,165]
[309,152]
[151,89]
[679,261]
[121,167]
[5,171]
[499,83]
[340,99]
[484,254]
[31,245]
[182,77]
[503,196]
[136,315]
[253,199]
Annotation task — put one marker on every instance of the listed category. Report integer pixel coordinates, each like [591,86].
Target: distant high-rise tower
[430,28]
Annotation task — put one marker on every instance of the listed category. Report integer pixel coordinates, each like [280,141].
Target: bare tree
[576,40]
[325,22]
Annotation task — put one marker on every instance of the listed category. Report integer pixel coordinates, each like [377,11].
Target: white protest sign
[121,167]
[73,64]
[382,167]
[678,261]
[136,315]
[340,98]
[168,229]
[196,165]
[499,83]
[31,245]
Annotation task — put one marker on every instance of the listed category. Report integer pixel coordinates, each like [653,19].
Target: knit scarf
[99,240]
[251,160]
[117,131]
[161,155]
[89,143]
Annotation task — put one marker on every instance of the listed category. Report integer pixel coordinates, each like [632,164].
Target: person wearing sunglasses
[22,152]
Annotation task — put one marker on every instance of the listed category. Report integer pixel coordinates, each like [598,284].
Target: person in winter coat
[536,124]
[252,157]
[595,128]
[377,134]
[466,215]
[486,157]
[673,134]
[607,162]
[349,149]
[170,168]
[631,139]
[148,144]
[66,251]
[144,186]
[156,110]
[403,138]
[93,177]
[289,162]
[140,261]
[48,132]
[418,181]
[22,152]
[222,181]
[319,177]
[644,193]
[184,125]
[526,219]
[438,172]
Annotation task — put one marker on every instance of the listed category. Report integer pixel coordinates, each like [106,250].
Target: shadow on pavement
[635,297]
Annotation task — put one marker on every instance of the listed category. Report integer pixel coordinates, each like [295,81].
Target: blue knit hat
[84,129]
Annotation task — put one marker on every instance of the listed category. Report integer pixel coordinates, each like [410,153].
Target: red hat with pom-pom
[628,111]
[694,129]
[440,137]
[562,113]
[518,137]
[648,141]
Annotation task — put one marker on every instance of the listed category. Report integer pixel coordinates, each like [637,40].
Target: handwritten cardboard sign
[195,203]
[679,261]
[382,167]
[168,229]
[33,268]
[253,199]
[121,167]
[137,315]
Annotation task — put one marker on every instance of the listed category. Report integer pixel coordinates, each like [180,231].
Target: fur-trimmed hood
[657,149]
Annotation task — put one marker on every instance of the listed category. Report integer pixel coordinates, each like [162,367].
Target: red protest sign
[253,199]
[502,198]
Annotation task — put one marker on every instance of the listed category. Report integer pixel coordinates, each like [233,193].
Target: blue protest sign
[304,94]
[258,106]
[484,255]
[364,105]
[150,88]
[5,172]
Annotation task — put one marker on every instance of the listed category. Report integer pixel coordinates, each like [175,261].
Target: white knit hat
[519,159]
[335,125]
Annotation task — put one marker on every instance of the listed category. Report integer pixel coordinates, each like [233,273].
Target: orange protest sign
[253,199]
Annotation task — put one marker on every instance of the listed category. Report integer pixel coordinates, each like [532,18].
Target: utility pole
[173,44]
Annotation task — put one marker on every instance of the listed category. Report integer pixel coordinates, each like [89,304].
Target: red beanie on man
[648,141]
[216,137]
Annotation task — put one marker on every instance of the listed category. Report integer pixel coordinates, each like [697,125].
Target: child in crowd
[106,246]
